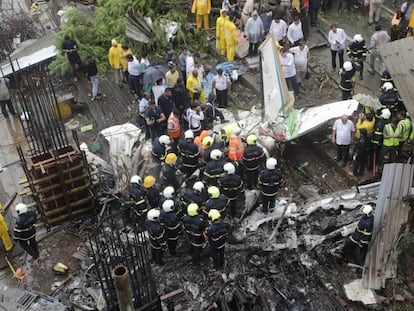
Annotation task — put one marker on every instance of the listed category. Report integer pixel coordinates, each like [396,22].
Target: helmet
[367,210]
[207,141]
[168,206]
[237,131]
[216,154]
[358,38]
[192,209]
[251,139]
[241,124]
[153,214]
[20,208]
[347,66]
[229,168]
[149,181]
[385,114]
[199,186]
[171,158]
[271,163]
[135,180]
[387,86]
[188,134]
[214,214]
[213,192]
[168,192]
[204,134]
[165,140]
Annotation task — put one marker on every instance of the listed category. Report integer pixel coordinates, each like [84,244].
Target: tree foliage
[94,30]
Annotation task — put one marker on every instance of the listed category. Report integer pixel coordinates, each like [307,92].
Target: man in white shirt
[342,133]
[301,54]
[5,98]
[194,116]
[294,32]
[287,62]
[143,107]
[254,32]
[278,30]
[337,38]
[221,83]
[378,38]
[134,70]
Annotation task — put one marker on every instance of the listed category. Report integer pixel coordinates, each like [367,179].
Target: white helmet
[136,180]
[237,131]
[199,186]
[387,86]
[216,154]
[271,163]
[168,206]
[385,114]
[153,214]
[347,66]
[188,134]
[165,140]
[20,208]
[168,192]
[229,168]
[367,210]
[358,38]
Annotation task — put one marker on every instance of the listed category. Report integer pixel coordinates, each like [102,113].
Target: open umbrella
[154,73]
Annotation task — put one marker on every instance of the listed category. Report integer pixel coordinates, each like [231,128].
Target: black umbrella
[154,73]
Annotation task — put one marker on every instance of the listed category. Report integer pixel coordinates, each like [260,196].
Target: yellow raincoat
[202,9]
[124,61]
[220,32]
[4,234]
[193,85]
[231,39]
[114,54]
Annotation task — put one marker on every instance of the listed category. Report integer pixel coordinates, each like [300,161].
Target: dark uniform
[169,177]
[177,207]
[25,233]
[191,196]
[194,226]
[139,205]
[357,51]
[213,171]
[159,152]
[210,115]
[269,181]
[377,138]
[156,234]
[347,83]
[361,152]
[190,155]
[357,244]
[389,99]
[173,229]
[217,233]
[231,186]
[221,203]
[153,196]
[252,159]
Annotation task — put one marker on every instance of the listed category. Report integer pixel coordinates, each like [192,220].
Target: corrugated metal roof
[398,57]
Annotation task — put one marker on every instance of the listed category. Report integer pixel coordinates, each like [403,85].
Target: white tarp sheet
[121,138]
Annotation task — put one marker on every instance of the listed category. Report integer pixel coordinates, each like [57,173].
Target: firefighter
[172,225]
[207,143]
[214,168]
[346,84]
[169,171]
[25,231]
[156,235]
[153,195]
[377,137]
[194,226]
[4,234]
[217,201]
[189,153]
[390,143]
[357,52]
[230,36]
[216,234]
[269,181]
[357,244]
[404,129]
[231,185]
[389,98]
[138,196]
[252,159]
[193,195]
[169,194]
[236,146]
[160,147]
[361,151]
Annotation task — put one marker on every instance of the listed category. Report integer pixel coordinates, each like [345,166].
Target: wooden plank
[64,217]
[8,203]
[63,208]
[172,294]
[52,187]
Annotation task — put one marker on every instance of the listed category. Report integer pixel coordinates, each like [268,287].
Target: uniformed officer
[347,80]
[189,153]
[269,181]
[231,185]
[216,201]
[252,160]
[138,196]
[172,225]
[216,234]
[357,52]
[152,192]
[214,168]
[160,147]
[156,235]
[25,231]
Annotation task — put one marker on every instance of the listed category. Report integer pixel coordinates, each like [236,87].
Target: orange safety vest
[236,148]
[173,126]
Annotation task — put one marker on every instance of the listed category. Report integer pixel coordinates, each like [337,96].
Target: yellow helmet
[207,141]
[149,181]
[213,192]
[251,139]
[192,209]
[214,215]
[171,158]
